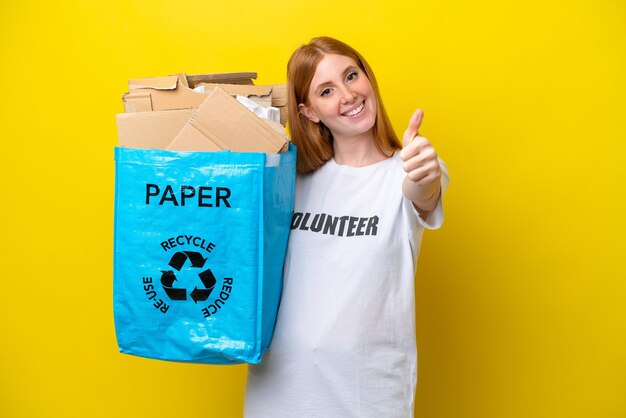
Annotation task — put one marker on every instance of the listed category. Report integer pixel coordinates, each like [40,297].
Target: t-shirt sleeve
[435,217]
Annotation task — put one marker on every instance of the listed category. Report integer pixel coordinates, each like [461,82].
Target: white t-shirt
[344,344]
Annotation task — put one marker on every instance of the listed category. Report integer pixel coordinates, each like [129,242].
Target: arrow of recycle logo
[180,293]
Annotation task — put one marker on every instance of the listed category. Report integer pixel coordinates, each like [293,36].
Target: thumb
[414,125]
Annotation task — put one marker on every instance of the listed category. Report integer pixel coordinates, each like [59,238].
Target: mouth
[355,111]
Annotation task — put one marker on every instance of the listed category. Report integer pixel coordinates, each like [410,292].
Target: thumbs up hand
[422,184]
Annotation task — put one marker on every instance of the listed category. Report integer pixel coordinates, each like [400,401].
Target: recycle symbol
[180,293]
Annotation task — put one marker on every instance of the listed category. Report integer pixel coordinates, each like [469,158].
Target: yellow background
[520,297]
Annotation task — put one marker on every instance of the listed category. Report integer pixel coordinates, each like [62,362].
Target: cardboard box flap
[224,121]
[222,78]
[158,83]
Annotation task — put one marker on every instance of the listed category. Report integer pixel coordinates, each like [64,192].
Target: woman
[344,343]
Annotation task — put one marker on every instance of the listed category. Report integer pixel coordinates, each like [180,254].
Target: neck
[356,151]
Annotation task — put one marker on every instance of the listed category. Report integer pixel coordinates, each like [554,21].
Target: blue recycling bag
[200,239]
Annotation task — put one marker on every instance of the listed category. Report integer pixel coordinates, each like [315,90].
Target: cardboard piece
[155,99]
[150,129]
[174,91]
[261,95]
[222,78]
[224,123]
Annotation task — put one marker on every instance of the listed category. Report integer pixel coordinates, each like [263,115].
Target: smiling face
[341,97]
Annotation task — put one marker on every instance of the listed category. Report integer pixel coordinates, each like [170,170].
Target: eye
[352,76]
[325,92]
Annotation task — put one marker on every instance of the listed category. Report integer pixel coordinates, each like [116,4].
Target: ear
[308,113]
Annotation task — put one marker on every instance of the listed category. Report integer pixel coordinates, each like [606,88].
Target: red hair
[314,140]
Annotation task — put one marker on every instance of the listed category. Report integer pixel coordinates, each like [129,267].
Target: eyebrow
[327,83]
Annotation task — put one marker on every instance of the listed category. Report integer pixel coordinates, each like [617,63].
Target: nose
[347,94]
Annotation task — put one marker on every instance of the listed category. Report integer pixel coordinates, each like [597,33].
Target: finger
[428,156]
[428,178]
[414,125]
[418,174]
[414,147]
[424,174]
[425,160]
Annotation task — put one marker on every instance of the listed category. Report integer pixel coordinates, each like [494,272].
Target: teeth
[355,111]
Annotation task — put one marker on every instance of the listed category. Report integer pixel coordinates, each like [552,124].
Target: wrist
[425,196]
